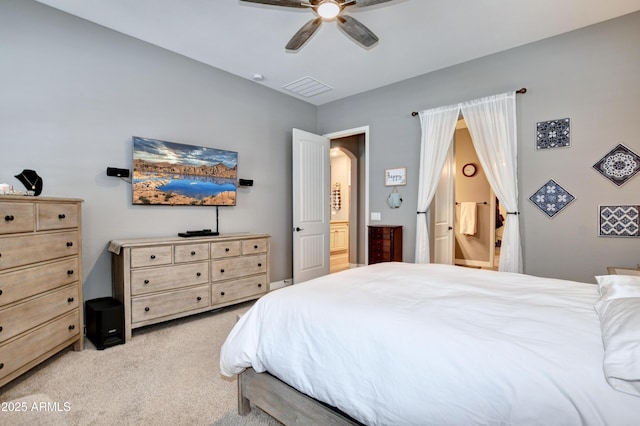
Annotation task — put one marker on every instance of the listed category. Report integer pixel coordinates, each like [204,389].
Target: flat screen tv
[169,173]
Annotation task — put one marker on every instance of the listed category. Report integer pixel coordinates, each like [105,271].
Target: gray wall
[590,75]
[74,93]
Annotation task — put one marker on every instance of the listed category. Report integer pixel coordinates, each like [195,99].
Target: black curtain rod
[520,92]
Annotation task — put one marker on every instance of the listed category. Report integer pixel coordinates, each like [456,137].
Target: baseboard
[279,284]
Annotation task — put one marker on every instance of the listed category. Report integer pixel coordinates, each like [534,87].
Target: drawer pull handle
[198,274]
[71,327]
[69,244]
[70,299]
[153,256]
[70,272]
[61,216]
[255,246]
[260,285]
[146,309]
[198,298]
[222,271]
[1,365]
[9,217]
[146,281]
[0,292]
[1,328]
[222,293]
[193,253]
[226,249]
[259,265]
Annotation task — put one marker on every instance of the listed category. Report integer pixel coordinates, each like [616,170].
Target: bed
[401,343]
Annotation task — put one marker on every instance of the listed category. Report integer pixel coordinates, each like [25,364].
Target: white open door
[311,205]
[444,219]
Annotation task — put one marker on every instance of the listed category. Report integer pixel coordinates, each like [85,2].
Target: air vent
[307,87]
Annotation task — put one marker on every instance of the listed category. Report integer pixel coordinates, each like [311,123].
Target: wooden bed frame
[284,403]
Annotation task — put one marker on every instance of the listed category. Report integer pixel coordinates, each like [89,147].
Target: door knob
[450,228]
[298,229]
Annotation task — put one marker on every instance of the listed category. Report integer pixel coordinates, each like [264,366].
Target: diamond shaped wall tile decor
[619,165]
[551,198]
[553,134]
[619,221]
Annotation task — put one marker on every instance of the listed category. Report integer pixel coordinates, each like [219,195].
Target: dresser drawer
[238,289]
[23,250]
[57,216]
[29,347]
[16,217]
[161,305]
[226,249]
[258,245]
[380,244]
[151,256]
[168,277]
[380,233]
[238,267]
[38,279]
[377,257]
[191,252]
[23,316]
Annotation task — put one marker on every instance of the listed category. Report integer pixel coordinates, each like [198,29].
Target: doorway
[469,208]
[344,189]
[349,223]
[312,202]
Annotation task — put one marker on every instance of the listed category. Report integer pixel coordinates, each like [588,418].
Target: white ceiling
[416,36]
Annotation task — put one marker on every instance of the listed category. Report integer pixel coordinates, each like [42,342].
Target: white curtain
[492,125]
[438,125]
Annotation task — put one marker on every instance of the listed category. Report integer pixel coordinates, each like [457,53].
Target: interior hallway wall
[340,175]
[73,95]
[589,75]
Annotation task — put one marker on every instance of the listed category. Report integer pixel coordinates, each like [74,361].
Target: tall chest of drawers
[160,279]
[385,243]
[40,281]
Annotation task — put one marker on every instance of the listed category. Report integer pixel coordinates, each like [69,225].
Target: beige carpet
[167,374]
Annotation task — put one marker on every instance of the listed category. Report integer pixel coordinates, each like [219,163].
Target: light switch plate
[376,216]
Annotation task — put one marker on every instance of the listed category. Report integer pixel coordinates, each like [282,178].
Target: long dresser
[40,280]
[160,279]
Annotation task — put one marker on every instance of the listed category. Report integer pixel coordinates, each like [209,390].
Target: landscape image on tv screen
[169,173]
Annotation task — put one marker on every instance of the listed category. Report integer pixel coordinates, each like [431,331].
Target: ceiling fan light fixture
[328,9]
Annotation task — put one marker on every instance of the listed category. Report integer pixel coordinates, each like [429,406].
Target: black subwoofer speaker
[105,322]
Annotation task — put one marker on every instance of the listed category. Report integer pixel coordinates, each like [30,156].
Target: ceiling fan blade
[284,3]
[303,34]
[357,31]
[364,3]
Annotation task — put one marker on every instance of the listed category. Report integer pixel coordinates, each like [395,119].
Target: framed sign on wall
[395,177]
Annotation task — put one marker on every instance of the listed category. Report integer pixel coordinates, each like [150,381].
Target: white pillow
[620,324]
[618,286]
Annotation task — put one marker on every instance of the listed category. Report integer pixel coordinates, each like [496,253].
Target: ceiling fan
[326,10]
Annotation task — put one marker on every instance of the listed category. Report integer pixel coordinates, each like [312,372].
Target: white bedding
[407,344]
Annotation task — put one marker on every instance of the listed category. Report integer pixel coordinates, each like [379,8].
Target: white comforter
[407,344]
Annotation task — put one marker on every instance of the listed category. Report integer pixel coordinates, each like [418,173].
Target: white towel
[468,218]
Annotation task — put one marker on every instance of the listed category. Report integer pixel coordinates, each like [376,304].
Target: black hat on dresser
[30,180]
